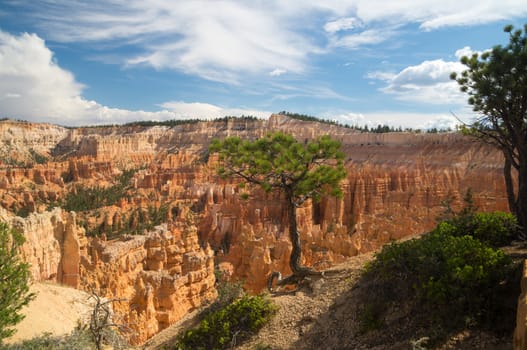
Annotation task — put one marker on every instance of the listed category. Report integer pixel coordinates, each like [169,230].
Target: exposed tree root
[298,277]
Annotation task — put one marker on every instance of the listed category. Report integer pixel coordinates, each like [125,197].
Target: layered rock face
[54,245]
[157,278]
[397,186]
[20,141]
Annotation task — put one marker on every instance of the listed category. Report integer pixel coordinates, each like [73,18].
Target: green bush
[229,325]
[496,229]
[455,278]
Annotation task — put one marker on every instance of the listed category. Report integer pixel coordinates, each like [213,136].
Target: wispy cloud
[277,72]
[224,41]
[341,24]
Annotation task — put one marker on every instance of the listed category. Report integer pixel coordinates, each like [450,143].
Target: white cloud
[277,72]
[35,88]
[220,41]
[465,51]
[224,41]
[396,119]
[184,110]
[342,24]
[442,122]
[366,37]
[31,82]
[428,82]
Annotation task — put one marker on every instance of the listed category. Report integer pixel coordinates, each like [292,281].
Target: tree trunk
[294,235]
[521,202]
[511,196]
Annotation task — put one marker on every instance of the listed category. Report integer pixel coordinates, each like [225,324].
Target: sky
[359,62]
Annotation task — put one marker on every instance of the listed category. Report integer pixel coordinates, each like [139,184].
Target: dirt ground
[324,315]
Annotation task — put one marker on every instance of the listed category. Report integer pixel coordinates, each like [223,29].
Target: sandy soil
[56,309]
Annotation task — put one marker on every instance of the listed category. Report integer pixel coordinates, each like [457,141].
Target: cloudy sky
[79,62]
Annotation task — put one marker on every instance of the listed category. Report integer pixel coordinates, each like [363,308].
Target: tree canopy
[496,83]
[14,279]
[278,162]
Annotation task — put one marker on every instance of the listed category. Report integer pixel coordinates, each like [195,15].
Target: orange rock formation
[396,187]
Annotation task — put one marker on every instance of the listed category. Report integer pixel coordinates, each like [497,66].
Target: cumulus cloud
[34,87]
[428,82]
[31,82]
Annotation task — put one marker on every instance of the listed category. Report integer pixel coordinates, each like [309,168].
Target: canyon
[137,213]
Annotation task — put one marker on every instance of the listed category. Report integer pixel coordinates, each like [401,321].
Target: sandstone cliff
[157,277]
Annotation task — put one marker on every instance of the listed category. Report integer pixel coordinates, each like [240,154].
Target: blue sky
[359,62]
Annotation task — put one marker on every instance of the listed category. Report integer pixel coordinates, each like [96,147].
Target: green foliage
[139,220]
[496,84]
[495,79]
[177,122]
[456,278]
[229,325]
[495,229]
[89,198]
[14,281]
[278,161]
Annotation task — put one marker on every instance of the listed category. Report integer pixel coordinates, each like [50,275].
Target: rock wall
[18,140]
[158,277]
[53,247]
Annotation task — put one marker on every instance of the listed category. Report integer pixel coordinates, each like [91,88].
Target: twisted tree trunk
[299,272]
[294,236]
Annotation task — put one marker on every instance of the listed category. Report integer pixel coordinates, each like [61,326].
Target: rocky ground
[324,316]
